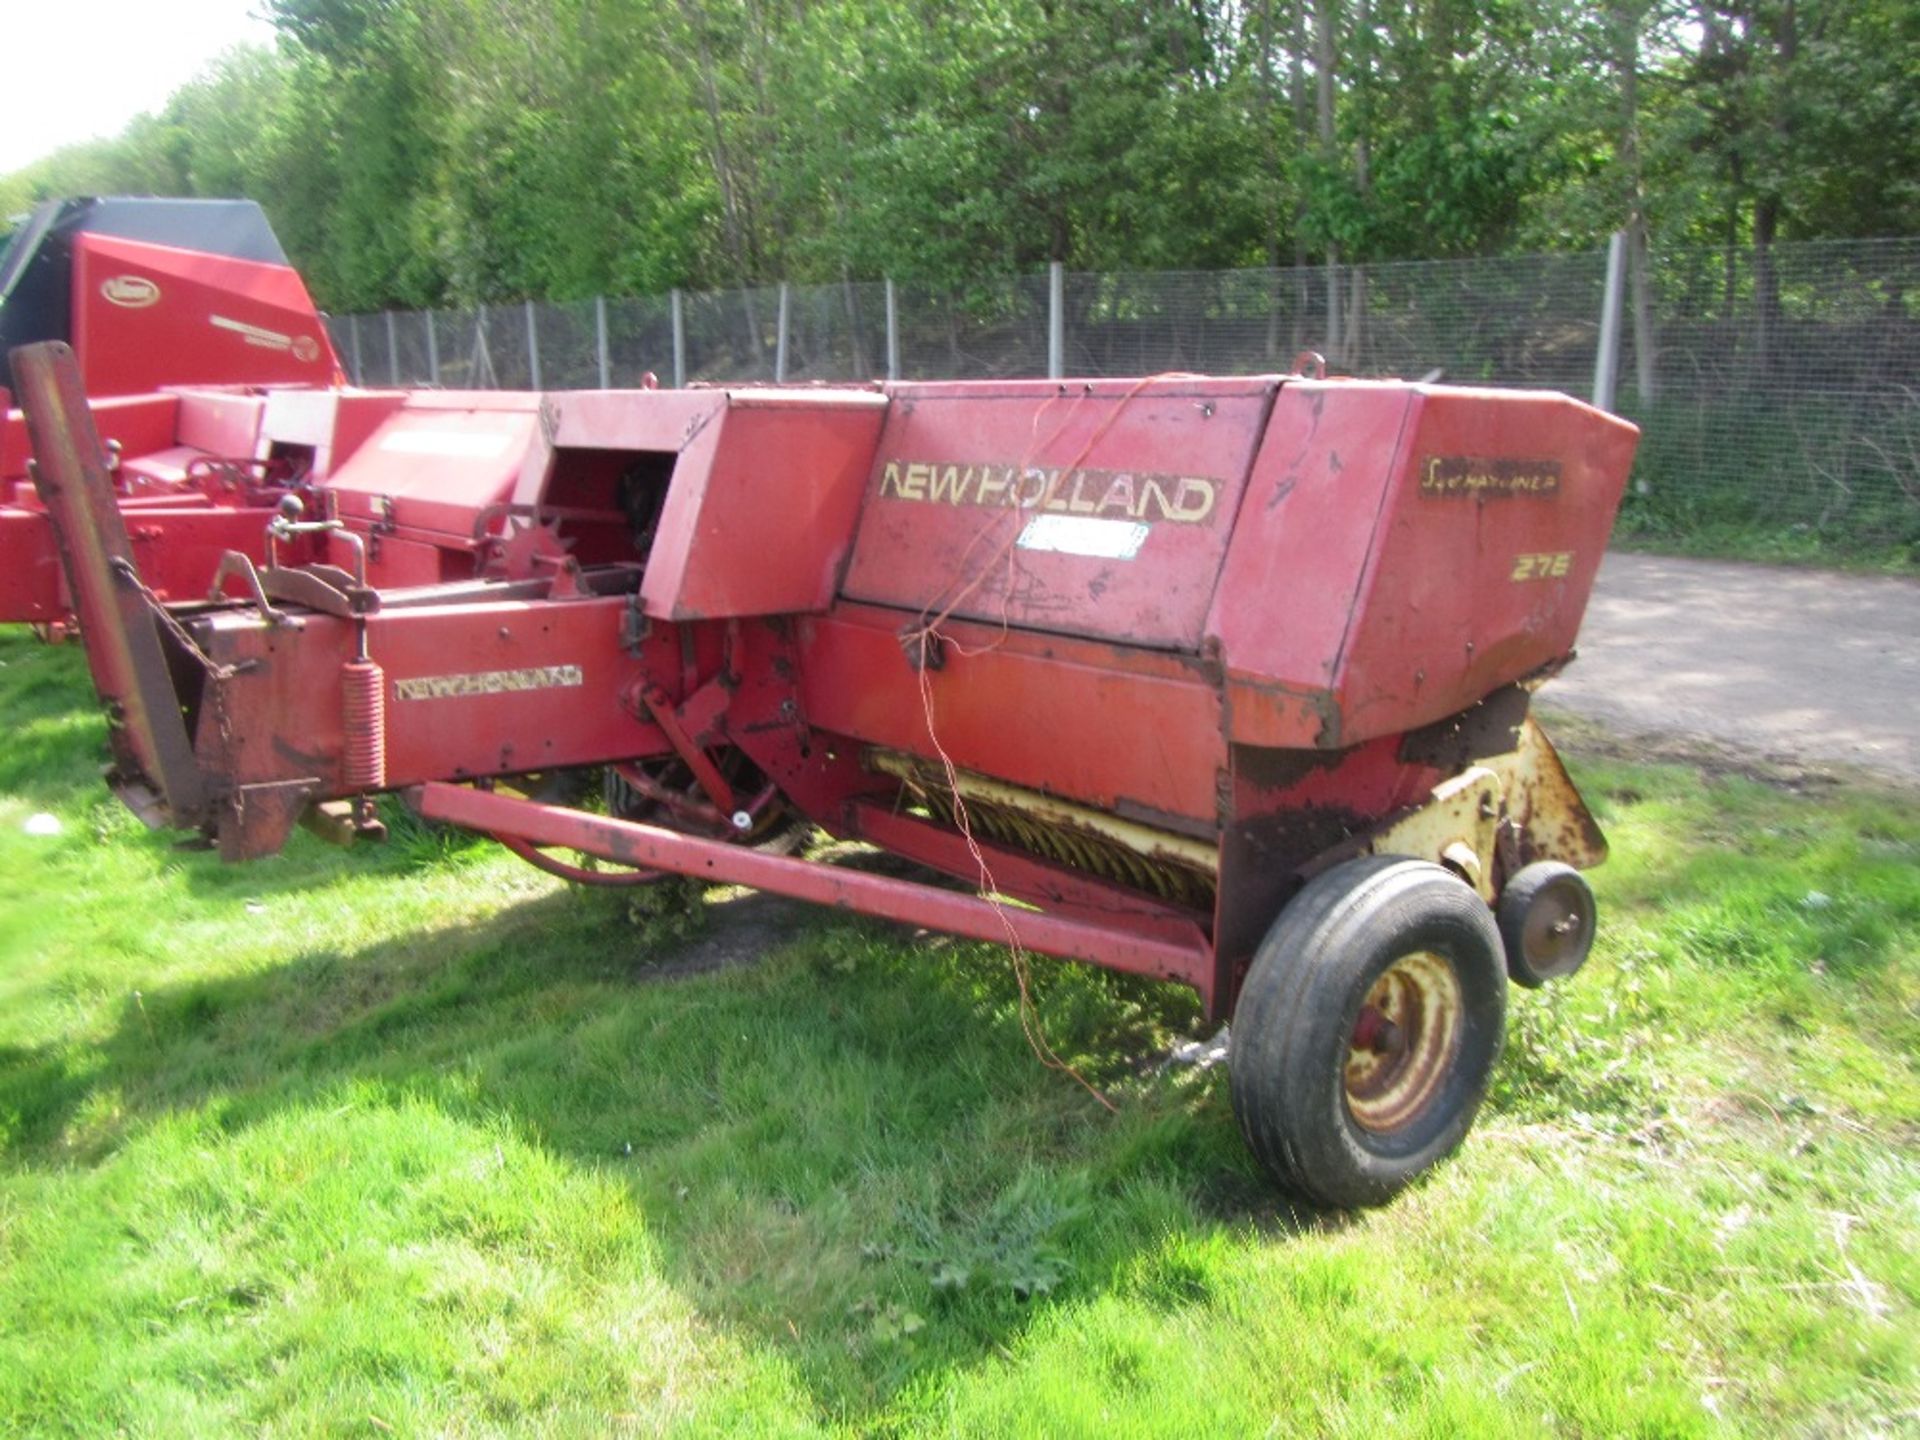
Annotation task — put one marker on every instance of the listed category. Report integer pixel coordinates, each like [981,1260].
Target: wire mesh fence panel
[1227,322]
[372,362]
[1785,395]
[501,359]
[411,361]
[567,340]
[455,355]
[836,332]
[988,329]
[730,333]
[1526,320]
[1777,392]
[640,341]
[339,335]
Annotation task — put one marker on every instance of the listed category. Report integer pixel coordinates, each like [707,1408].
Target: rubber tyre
[1296,1015]
[1516,905]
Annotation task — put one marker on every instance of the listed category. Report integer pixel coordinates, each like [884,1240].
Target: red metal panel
[1434,543]
[1496,519]
[146,315]
[221,422]
[141,423]
[431,468]
[30,580]
[393,562]
[762,505]
[1097,509]
[158,472]
[1124,730]
[332,423]
[1288,588]
[178,548]
[472,689]
[657,420]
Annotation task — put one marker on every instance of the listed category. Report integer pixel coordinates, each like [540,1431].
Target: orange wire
[927,635]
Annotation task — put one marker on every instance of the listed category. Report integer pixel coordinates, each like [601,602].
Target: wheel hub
[1404,1043]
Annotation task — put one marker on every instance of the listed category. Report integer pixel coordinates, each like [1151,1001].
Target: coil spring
[364,756]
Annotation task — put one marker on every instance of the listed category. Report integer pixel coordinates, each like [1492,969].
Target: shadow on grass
[823,1122]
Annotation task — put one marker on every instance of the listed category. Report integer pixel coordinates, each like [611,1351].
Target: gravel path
[1800,666]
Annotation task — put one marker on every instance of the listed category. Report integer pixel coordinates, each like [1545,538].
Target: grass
[414,1141]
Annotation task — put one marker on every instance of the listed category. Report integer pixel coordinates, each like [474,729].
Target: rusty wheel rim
[1404,1043]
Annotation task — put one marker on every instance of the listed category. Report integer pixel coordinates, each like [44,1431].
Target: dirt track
[1797,666]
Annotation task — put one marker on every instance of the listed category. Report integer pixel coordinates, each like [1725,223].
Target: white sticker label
[469,444]
[1084,535]
[252,334]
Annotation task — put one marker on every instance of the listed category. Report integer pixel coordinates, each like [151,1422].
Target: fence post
[433,351]
[893,334]
[600,338]
[780,336]
[393,352]
[1639,287]
[1606,359]
[679,343]
[1056,320]
[533,346]
[353,344]
[485,377]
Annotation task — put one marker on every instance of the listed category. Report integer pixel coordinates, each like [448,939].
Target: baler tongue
[154,771]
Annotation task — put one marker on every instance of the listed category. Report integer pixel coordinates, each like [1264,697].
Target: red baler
[1222,681]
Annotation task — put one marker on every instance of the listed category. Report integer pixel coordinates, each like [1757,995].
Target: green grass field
[414,1141]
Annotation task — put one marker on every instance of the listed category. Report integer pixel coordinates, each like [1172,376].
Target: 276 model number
[1542,567]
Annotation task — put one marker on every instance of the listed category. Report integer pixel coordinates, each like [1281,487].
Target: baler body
[1143,657]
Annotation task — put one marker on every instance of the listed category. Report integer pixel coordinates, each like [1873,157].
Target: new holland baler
[1220,681]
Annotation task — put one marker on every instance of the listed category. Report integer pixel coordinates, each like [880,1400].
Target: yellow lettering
[1192,501]
[1076,503]
[1031,489]
[949,484]
[915,487]
[1152,490]
[890,479]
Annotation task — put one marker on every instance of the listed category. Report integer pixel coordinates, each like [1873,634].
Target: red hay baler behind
[1221,681]
[184,316]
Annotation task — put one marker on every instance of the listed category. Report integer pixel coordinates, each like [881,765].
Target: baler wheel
[1547,921]
[1367,1028]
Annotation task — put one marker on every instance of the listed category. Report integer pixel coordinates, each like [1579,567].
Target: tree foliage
[422,152]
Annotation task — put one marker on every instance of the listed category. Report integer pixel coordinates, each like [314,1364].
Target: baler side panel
[221,423]
[428,472]
[478,688]
[141,423]
[1100,509]
[145,315]
[31,586]
[1495,523]
[333,424]
[761,510]
[1285,602]
[1127,731]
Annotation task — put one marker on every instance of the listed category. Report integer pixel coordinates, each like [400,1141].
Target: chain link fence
[1780,398]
